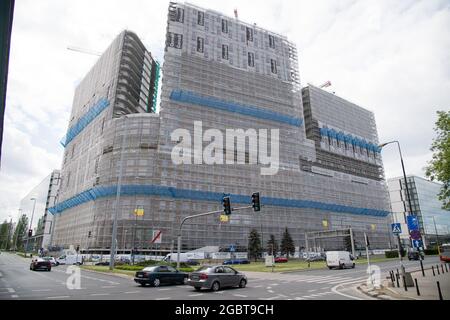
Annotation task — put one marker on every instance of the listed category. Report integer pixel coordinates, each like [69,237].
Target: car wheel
[341,266]
[197,288]
[49,269]
[242,283]
[215,286]
[353,266]
[156,282]
[330,268]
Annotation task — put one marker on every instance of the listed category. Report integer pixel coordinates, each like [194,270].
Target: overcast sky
[391,57]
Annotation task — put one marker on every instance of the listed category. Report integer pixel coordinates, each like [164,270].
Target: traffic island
[432,284]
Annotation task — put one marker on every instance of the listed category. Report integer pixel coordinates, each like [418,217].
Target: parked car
[415,255]
[318,257]
[281,259]
[157,275]
[192,262]
[216,277]
[102,263]
[236,261]
[52,260]
[340,259]
[40,264]
[70,259]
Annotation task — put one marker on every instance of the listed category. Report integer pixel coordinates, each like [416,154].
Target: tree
[272,244]
[20,232]
[254,245]
[4,235]
[439,167]
[287,244]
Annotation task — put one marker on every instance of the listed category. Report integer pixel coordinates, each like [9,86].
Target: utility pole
[435,230]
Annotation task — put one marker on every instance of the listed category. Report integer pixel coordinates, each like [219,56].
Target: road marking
[132,292]
[219,292]
[40,290]
[269,288]
[14,296]
[100,294]
[58,297]
[240,295]
[1,274]
[196,295]
[325,288]
[299,298]
[165,289]
[312,290]
[334,290]
[274,284]
[165,298]
[108,287]
[270,291]
[11,290]
[259,286]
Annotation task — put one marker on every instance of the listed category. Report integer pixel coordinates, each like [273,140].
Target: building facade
[434,222]
[45,195]
[222,75]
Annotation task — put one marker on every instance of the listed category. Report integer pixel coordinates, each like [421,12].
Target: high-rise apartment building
[222,75]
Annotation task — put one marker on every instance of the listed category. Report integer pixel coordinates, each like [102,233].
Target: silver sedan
[216,277]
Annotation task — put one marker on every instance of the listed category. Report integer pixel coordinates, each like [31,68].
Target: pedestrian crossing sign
[396,228]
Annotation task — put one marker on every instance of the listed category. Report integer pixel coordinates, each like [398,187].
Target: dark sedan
[158,275]
[216,277]
[40,264]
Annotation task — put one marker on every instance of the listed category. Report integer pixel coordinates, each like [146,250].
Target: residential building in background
[45,193]
[228,74]
[434,222]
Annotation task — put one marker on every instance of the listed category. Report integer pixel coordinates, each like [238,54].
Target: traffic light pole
[196,216]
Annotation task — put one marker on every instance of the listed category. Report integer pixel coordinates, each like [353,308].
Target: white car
[52,261]
[340,259]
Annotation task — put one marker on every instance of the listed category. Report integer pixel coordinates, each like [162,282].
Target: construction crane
[326,84]
[81,50]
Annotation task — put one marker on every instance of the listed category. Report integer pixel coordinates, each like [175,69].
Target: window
[177,15]
[273,66]
[272,42]
[200,42]
[251,59]
[201,18]
[249,34]
[224,26]
[225,52]
[175,40]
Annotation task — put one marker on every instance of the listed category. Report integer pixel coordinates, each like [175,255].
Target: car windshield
[150,269]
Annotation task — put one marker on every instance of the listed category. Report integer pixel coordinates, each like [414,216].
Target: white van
[340,259]
[70,259]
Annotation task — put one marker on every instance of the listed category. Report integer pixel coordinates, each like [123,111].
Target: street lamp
[116,211]
[31,222]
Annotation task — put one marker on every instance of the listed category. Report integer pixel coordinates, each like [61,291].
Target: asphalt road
[18,282]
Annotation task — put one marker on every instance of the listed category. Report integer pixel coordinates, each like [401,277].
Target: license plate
[140,276]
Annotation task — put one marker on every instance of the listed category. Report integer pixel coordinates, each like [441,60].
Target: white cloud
[391,57]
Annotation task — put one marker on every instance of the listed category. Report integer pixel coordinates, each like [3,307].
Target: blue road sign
[413,223]
[417,243]
[396,228]
[232,248]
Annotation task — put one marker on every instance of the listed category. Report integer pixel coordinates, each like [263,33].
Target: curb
[120,275]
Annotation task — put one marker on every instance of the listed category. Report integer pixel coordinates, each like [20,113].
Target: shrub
[429,252]
[393,254]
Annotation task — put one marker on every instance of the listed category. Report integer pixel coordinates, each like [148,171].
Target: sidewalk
[427,287]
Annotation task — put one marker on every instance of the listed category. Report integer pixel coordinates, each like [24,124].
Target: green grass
[298,265]
[127,270]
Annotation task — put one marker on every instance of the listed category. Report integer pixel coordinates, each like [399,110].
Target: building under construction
[219,73]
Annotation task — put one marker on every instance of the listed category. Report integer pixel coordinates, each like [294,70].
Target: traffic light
[30,232]
[256,202]
[226,205]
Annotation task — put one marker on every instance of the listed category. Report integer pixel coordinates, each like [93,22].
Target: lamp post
[435,230]
[31,222]
[407,193]
[116,211]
